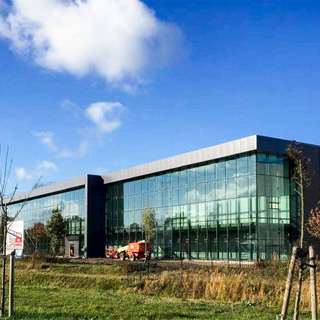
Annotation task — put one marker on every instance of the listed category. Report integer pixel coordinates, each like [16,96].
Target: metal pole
[313,283]
[11,283]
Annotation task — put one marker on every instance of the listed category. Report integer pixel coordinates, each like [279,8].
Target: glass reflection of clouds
[218,199]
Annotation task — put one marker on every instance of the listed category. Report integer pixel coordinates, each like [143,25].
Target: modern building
[232,201]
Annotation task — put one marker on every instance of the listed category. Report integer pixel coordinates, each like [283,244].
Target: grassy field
[85,291]
[64,304]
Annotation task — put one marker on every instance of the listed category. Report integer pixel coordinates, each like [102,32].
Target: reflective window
[211,172]
[205,209]
[70,203]
[231,166]
[221,170]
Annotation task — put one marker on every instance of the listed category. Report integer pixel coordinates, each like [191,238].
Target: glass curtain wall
[70,203]
[208,211]
[274,218]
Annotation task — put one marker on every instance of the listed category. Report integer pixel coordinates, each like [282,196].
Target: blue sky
[148,80]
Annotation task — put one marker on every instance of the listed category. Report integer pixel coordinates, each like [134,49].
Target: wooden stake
[286,297]
[313,284]
[298,295]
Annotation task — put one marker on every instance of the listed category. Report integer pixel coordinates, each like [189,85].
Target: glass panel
[175,179]
[159,182]
[211,190]
[211,172]
[145,185]
[183,195]
[202,211]
[201,174]
[131,188]
[175,196]
[152,183]
[231,188]
[231,168]
[221,190]
[201,193]
[192,194]
[167,183]
[221,170]
[261,185]
[252,185]
[243,187]
[182,178]
[192,176]
[242,164]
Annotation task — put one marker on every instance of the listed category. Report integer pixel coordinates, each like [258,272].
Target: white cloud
[47,165]
[114,39]
[42,168]
[46,138]
[105,115]
[84,146]
[66,153]
[21,174]
[70,106]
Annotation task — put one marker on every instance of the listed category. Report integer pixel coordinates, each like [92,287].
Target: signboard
[19,253]
[73,237]
[15,237]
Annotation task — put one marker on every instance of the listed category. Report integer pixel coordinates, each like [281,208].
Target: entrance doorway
[72,247]
[71,250]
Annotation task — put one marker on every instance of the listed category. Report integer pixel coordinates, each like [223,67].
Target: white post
[11,283]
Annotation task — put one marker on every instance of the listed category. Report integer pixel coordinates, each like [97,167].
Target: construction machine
[133,251]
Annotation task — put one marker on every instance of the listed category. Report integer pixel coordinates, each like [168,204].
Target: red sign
[18,242]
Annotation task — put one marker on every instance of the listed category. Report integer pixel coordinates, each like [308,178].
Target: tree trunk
[286,297]
[302,205]
[299,285]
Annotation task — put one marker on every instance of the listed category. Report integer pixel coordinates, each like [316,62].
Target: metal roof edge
[49,189]
[226,149]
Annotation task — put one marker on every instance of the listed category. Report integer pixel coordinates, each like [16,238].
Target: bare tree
[6,221]
[302,178]
[42,184]
[313,224]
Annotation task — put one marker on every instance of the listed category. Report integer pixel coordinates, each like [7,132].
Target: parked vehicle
[133,251]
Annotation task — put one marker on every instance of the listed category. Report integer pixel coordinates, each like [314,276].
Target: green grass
[76,304]
[74,290]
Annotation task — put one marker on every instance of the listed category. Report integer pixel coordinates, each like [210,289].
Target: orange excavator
[134,251]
